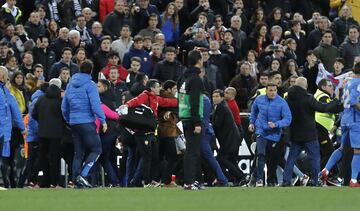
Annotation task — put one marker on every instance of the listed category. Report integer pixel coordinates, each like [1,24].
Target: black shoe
[199,185]
[286,184]
[135,184]
[81,182]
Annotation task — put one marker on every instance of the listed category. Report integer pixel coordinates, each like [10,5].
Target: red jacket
[155,101]
[235,111]
[105,7]
[123,73]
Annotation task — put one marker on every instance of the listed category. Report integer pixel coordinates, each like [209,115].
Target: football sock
[355,166]
[334,158]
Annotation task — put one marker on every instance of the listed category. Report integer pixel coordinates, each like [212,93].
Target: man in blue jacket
[80,107]
[9,113]
[269,114]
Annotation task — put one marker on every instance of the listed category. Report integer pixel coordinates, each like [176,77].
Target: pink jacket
[109,114]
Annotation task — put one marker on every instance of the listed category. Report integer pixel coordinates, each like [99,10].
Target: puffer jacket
[32,134]
[81,102]
[9,113]
[266,110]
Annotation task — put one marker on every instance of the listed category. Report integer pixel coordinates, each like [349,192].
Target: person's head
[34,18]
[38,71]
[55,82]
[10,30]
[310,56]
[327,37]
[80,54]
[195,59]
[66,54]
[230,93]
[142,78]
[74,37]
[153,86]
[53,26]
[259,14]
[292,80]
[113,58]
[275,78]
[138,42]
[135,64]
[354,33]
[271,90]
[153,21]
[44,86]
[160,38]
[245,68]
[200,34]
[218,21]
[64,33]
[170,54]
[105,43]
[97,28]
[276,31]
[156,49]
[4,49]
[44,41]
[86,66]
[11,62]
[291,66]
[275,64]
[235,22]
[217,96]
[346,11]
[295,25]
[87,13]
[27,58]
[238,4]
[326,86]
[103,85]
[125,31]
[3,74]
[64,74]
[276,13]
[214,45]
[171,10]
[205,55]
[119,6]
[301,82]
[339,65]
[179,4]
[323,23]
[263,79]
[113,74]
[291,44]
[356,69]
[17,79]
[147,44]
[260,30]
[170,86]
[202,18]
[81,21]
[315,16]
[228,36]
[356,60]
[11,3]
[252,56]
[144,3]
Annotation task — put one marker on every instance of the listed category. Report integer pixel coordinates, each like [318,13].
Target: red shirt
[235,111]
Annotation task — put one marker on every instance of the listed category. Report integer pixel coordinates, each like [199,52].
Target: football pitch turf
[219,199]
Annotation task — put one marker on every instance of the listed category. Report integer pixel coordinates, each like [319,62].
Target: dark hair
[147,38]
[229,31]
[202,14]
[169,84]
[26,52]
[138,38]
[106,37]
[63,69]
[309,52]
[66,49]
[273,73]
[340,59]
[151,84]
[126,26]
[170,49]
[140,77]
[218,16]
[294,23]
[322,82]
[38,66]
[193,57]
[219,91]
[86,66]
[80,16]
[111,54]
[16,73]
[270,85]
[135,58]
[356,68]
[153,15]
[354,27]
[4,43]
[263,74]
[105,83]
[43,87]
[328,31]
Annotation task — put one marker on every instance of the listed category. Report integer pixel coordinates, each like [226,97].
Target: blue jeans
[87,140]
[312,148]
[207,153]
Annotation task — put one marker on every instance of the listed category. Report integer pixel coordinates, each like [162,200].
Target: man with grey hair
[240,36]
[303,135]
[9,113]
[77,41]
[276,34]
[60,42]
[315,35]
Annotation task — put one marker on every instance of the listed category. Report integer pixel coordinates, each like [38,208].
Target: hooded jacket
[47,112]
[266,110]
[81,102]
[303,106]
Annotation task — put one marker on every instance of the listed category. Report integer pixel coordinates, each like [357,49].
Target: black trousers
[49,159]
[228,161]
[168,153]
[31,165]
[326,145]
[192,153]
[143,143]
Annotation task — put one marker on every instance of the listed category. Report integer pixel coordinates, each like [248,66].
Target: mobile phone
[273,47]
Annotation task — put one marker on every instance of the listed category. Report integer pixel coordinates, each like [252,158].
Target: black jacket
[225,129]
[113,23]
[165,70]
[303,106]
[57,47]
[47,112]
[46,58]
[194,88]
[34,31]
[100,61]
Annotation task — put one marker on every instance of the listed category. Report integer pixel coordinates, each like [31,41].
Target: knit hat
[56,82]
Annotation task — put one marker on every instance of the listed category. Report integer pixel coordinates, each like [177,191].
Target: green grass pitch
[161,199]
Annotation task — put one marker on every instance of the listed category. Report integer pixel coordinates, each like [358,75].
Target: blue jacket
[146,66]
[206,119]
[55,69]
[10,114]
[265,110]
[81,102]
[32,133]
[167,29]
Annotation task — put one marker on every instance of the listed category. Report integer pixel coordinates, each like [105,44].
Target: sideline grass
[220,199]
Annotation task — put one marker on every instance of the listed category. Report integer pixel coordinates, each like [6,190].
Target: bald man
[303,133]
[9,113]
